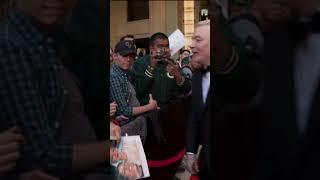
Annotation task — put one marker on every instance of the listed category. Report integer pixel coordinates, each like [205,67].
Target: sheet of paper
[132,147]
[176,41]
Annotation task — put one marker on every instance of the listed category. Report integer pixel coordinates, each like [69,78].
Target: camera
[161,55]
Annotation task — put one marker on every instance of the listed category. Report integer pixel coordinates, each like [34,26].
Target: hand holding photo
[135,165]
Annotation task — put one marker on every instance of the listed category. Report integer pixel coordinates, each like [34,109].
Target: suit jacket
[198,127]
[86,42]
[283,153]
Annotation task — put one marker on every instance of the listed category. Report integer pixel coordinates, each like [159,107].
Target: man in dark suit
[198,122]
[289,132]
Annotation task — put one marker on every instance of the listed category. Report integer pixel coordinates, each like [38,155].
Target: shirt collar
[118,70]
[205,70]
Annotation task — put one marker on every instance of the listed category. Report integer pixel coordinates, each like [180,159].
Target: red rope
[193,177]
[166,162]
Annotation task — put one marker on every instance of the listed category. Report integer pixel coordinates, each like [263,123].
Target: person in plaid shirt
[32,93]
[124,94]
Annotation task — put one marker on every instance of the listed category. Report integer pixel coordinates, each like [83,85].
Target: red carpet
[164,159]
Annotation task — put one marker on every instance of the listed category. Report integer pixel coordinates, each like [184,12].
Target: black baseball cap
[125,48]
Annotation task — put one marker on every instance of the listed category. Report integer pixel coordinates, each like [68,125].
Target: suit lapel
[197,88]
[208,96]
[313,122]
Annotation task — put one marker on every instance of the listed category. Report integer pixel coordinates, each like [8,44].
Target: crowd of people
[52,125]
[259,106]
[141,88]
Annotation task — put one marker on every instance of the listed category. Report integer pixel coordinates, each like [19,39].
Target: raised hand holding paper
[176,41]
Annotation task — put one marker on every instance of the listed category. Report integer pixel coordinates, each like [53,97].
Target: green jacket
[185,61]
[160,85]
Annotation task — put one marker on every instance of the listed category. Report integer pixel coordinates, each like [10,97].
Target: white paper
[132,147]
[176,41]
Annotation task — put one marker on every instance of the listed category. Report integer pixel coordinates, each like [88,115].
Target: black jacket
[282,152]
[198,125]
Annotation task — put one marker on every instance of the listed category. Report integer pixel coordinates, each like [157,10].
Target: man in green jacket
[157,74]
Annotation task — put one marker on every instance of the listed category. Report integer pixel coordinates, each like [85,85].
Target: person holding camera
[158,75]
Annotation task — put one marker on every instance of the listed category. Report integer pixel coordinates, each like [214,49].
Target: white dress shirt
[205,86]
[307,74]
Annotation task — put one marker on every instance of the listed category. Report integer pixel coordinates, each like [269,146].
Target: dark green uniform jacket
[159,85]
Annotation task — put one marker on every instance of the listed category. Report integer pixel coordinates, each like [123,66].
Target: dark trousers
[205,170]
[137,126]
[155,133]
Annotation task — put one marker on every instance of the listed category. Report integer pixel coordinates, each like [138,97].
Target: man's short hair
[158,35]
[203,23]
[127,36]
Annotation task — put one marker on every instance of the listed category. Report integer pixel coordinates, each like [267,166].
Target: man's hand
[153,105]
[115,131]
[113,109]
[36,175]
[10,142]
[174,70]
[190,163]
[121,118]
